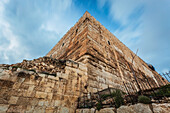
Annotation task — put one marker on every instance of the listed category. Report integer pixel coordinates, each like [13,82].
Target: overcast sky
[30,28]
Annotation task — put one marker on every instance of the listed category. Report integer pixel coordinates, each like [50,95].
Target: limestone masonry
[87,59]
[107,59]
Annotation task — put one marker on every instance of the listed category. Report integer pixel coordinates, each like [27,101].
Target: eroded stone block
[39,110]
[13,100]
[40,94]
[3,108]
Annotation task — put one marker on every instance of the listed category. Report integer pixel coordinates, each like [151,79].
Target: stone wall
[137,108]
[54,83]
[25,88]
[108,60]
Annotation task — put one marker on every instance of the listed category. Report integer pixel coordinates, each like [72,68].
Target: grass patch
[118,99]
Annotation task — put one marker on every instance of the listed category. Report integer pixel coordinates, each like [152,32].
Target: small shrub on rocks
[144,99]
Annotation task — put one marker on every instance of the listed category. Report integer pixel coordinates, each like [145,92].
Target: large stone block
[29,109]
[161,108]
[4,75]
[28,93]
[49,84]
[57,102]
[49,96]
[92,110]
[16,85]
[34,101]
[69,63]
[49,110]
[13,100]
[31,88]
[106,110]
[52,77]
[1,70]
[38,109]
[48,89]
[137,108]
[64,110]
[40,94]
[83,67]
[41,103]
[23,101]
[3,108]
[16,109]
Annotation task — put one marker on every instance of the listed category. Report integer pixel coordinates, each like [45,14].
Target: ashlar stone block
[13,100]
[40,94]
[3,108]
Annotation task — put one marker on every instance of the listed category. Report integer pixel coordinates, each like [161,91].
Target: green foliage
[118,98]
[99,106]
[144,99]
[117,95]
[163,91]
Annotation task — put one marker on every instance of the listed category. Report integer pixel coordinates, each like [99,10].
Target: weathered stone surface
[49,96]
[57,102]
[86,110]
[137,108]
[40,94]
[4,75]
[34,101]
[16,109]
[13,100]
[29,109]
[39,110]
[49,110]
[106,110]
[1,70]
[3,108]
[23,101]
[64,110]
[32,92]
[161,108]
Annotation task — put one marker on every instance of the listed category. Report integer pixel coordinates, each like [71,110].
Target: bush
[118,99]
[164,91]
[99,106]
[144,99]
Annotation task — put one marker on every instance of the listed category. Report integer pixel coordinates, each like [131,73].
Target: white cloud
[12,45]
[101,3]
[29,29]
[121,9]
[59,21]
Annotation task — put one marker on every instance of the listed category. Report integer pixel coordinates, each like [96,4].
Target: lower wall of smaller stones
[25,91]
[137,108]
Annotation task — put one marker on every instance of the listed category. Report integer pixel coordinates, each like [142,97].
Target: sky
[30,28]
